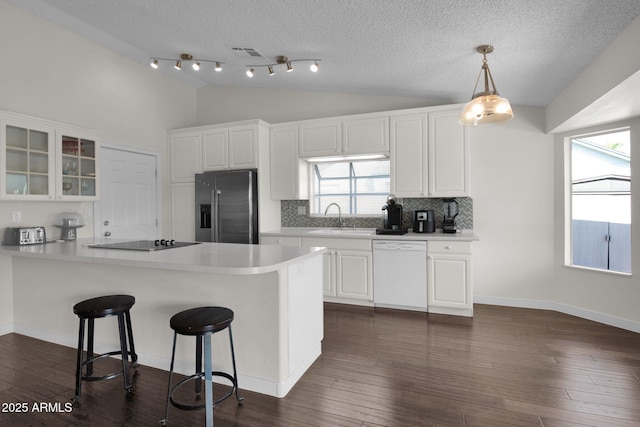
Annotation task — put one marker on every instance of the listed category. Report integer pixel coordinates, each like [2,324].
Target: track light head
[250,72]
[289,67]
[314,67]
[270,69]
[178,65]
[154,64]
[195,66]
[218,67]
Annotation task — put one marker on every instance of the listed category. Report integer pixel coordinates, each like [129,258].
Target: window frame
[352,185]
[568,198]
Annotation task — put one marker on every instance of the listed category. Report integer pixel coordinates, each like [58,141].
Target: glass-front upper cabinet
[29,159]
[45,160]
[77,167]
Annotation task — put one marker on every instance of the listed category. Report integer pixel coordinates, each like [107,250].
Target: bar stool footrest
[133,364]
[199,376]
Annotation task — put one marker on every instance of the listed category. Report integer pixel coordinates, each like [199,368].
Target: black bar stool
[202,322]
[94,308]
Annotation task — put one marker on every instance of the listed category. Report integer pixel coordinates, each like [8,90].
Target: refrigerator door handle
[215,229]
[251,219]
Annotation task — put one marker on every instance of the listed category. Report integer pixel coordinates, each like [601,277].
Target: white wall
[511,187]
[52,73]
[222,104]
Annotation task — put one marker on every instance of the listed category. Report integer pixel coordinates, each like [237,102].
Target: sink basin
[343,231]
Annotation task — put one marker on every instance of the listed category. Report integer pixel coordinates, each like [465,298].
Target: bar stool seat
[95,308]
[202,322]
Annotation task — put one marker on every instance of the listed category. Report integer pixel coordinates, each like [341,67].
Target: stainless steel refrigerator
[227,207]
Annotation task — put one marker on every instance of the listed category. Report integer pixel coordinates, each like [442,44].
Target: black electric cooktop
[143,245]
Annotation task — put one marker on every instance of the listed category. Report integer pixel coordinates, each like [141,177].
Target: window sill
[598,270]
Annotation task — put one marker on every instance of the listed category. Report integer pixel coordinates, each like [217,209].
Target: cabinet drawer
[449,247]
[350,244]
[281,240]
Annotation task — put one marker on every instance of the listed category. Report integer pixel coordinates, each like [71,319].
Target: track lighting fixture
[185,57]
[283,60]
[197,64]
[486,106]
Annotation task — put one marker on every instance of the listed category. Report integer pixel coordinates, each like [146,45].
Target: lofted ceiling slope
[412,48]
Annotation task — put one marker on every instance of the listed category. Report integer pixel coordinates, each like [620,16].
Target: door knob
[107,233]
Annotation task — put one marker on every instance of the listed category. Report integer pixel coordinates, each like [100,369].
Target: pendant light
[487,106]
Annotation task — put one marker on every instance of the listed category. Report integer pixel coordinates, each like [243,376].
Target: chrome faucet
[339,213]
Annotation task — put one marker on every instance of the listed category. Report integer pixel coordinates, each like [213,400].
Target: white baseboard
[562,308]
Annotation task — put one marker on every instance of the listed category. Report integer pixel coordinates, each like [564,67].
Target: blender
[450,214]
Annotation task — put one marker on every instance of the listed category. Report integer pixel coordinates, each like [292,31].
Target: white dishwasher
[400,274]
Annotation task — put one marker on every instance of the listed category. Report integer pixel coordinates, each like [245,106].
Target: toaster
[24,236]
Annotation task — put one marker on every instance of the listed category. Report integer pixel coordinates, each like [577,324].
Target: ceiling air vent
[247,52]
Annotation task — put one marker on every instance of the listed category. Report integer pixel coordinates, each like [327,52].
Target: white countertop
[370,233]
[221,258]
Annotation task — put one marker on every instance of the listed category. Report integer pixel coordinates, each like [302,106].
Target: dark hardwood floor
[504,367]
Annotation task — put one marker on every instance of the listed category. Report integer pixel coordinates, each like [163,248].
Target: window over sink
[359,187]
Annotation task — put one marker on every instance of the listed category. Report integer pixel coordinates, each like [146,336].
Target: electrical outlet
[302,210]
[16,216]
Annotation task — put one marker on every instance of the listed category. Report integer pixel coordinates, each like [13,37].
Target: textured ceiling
[380,47]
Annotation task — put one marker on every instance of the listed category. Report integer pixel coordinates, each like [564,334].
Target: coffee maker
[391,217]
[450,214]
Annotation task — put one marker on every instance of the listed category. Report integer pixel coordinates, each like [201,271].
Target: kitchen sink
[344,231]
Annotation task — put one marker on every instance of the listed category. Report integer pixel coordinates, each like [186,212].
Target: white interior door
[128,207]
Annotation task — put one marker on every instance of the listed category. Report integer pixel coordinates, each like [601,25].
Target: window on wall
[600,201]
[359,187]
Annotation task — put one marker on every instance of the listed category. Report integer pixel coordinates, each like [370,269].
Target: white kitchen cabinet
[28,164]
[215,149]
[183,225]
[45,160]
[429,155]
[320,138]
[230,148]
[77,165]
[348,269]
[289,173]
[243,147]
[409,155]
[449,282]
[365,136]
[448,155]
[354,274]
[185,154]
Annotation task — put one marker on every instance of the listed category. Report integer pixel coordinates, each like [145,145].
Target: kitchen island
[274,291]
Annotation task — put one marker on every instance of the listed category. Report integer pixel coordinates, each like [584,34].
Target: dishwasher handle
[386,245]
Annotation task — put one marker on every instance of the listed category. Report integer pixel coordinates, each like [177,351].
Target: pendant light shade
[487,106]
